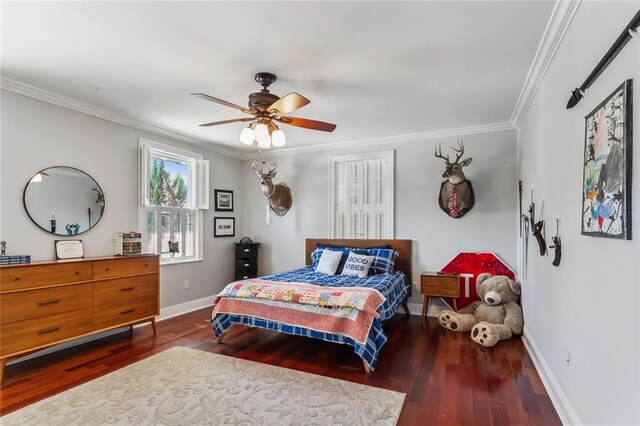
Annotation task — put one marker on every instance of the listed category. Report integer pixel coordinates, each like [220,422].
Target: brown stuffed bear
[496,317]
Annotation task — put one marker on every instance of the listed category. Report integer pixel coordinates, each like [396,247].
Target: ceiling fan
[265,110]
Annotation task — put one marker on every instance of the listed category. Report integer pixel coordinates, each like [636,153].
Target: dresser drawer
[245,275]
[124,311]
[246,265]
[439,286]
[246,251]
[114,268]
[121,289]
[23,277]
[29,304]
[33,333]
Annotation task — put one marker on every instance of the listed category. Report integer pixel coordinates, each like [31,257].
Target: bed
[334,308]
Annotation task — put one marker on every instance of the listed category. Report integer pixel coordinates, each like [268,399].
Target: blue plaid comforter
[394,287]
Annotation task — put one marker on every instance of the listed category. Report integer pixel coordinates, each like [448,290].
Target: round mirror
[63,200]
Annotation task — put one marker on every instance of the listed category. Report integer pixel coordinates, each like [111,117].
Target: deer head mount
[456,193]
[278,195]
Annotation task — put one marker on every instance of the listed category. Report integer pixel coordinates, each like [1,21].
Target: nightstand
[433,284]
[246,261]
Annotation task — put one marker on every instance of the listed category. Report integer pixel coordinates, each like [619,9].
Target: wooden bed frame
[403,262]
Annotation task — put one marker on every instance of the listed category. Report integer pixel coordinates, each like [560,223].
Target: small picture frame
[224,200]
[224,226]
[69,249]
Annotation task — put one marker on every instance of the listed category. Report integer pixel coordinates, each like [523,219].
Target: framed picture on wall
[606,184]
[224,200]
[224,226]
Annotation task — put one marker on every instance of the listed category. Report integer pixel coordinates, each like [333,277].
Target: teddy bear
[497,316]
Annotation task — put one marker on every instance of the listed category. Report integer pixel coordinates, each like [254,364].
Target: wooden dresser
[46,303]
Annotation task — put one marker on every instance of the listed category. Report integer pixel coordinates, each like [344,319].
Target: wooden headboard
[403,261]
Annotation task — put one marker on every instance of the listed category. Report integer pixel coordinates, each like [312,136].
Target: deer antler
[438,154]
[275,167]
[253,166]
[460,151]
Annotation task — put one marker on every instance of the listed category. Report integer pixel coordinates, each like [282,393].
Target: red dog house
[468,266]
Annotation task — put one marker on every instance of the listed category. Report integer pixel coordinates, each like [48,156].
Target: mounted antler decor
[278,195]
[456,193]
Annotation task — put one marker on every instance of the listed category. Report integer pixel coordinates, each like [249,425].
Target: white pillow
[329,261]
[357,265]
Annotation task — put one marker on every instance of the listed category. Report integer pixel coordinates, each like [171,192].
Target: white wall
[590,302]
[36,135]
[437,238]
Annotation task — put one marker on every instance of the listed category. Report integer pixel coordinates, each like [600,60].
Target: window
[173,191]
[361,195]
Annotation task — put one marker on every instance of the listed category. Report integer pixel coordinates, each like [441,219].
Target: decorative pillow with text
[357,265]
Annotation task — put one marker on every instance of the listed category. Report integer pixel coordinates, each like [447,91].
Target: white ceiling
[375,69]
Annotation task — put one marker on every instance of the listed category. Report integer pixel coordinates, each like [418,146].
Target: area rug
[183,386]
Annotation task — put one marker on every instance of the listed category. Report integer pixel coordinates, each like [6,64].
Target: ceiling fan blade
[233,120]
[221,102]
[307,124]
[288,103]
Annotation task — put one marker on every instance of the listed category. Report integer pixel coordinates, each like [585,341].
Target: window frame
[389,183]
[197,198]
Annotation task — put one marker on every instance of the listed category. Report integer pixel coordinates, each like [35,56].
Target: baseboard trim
[69,344]
[416,309]
[165,313]
[186,307]
[560,401]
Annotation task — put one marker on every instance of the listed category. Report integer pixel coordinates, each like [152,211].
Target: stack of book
[127,243]
[15,259]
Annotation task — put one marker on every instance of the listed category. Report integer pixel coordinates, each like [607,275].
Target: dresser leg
[3,364]
[455,304]
[153,325]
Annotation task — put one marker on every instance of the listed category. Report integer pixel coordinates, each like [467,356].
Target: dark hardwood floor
[448,379]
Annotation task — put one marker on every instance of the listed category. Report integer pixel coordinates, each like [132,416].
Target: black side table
[246,261]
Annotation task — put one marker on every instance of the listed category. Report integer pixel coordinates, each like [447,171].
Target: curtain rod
[615,48]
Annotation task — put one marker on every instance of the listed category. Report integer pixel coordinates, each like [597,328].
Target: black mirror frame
[24,200]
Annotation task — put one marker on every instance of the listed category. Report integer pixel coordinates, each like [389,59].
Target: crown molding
[75,105]
[461,131]
[561,17]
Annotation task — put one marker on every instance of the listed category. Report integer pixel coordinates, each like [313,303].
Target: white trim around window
[179,222]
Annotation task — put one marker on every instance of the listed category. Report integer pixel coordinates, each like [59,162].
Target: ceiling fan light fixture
[262,131]
[278,138]
[264,142]
[264,109]
[247,135]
